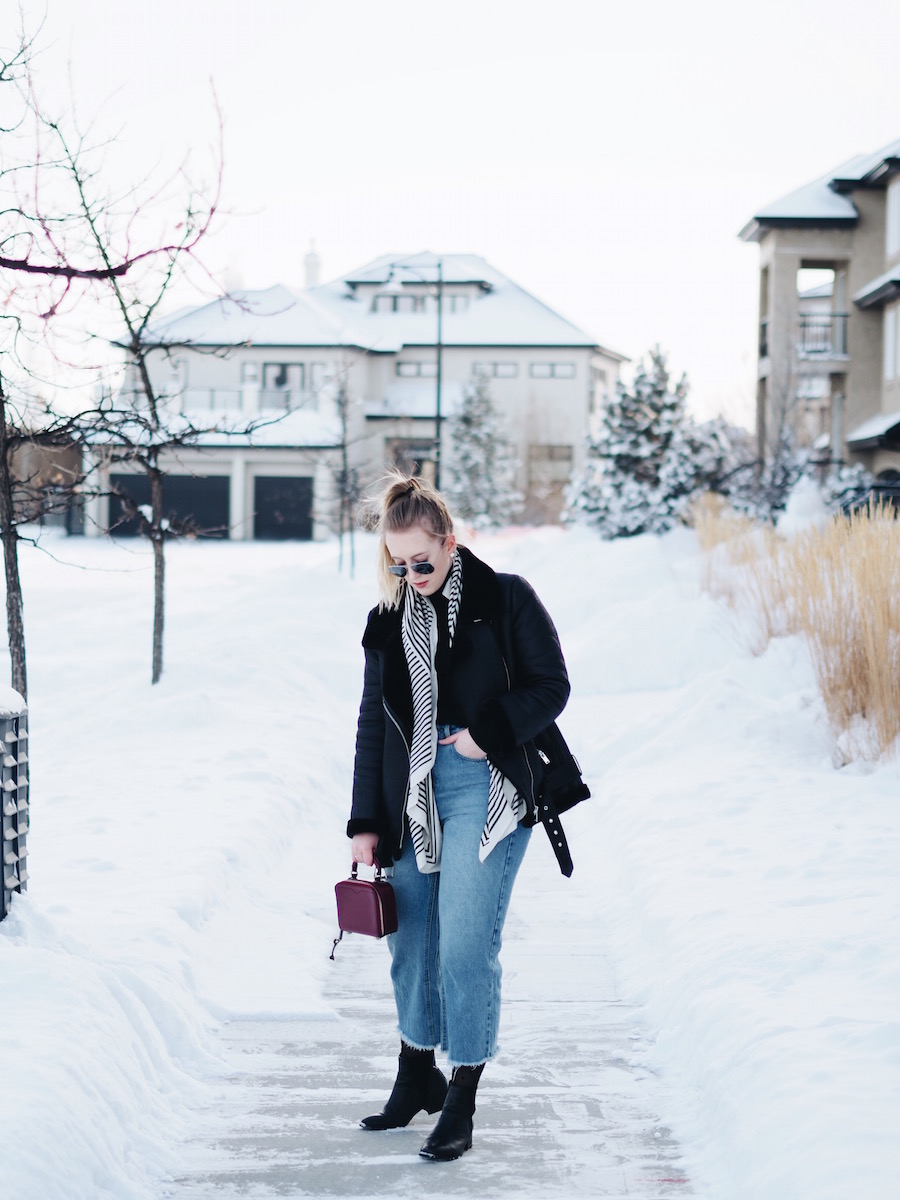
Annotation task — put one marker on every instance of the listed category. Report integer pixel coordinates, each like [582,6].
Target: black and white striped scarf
[420,638]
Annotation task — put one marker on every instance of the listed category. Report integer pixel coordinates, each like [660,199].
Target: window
[319,375]
[413,456]
[549,465]
[890,342]
[455,304]
[282,385]
[598,391]
[417,370]
[249,372]
[892,223]
[398,304]
[497,370]
[538,453]
[552,370]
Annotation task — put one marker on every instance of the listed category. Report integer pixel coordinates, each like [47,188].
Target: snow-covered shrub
[482,489]
[649,459]
[762,493]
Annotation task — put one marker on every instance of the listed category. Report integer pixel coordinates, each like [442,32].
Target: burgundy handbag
[365,906]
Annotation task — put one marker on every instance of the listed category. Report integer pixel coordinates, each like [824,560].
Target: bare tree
[70,244]
[346,479]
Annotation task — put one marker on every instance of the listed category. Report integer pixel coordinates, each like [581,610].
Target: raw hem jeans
[445,963]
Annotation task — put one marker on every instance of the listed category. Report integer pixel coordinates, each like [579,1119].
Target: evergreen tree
[483,481]
[650,457]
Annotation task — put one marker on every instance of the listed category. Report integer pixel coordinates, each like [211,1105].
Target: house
[829,356]
[376,361]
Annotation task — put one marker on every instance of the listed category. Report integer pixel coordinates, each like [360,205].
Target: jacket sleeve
[366,811]
[540,683]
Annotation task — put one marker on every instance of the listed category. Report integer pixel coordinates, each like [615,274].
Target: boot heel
[414,1089]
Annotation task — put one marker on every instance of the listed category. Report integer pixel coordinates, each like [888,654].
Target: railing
[211,400]
[286,400]
[246,399]
[822,335]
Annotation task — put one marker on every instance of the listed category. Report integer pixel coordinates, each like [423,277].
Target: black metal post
[437,396]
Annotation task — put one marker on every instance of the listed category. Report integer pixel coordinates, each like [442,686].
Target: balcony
[203,400]
[247,400]
[287,399]
[821,336]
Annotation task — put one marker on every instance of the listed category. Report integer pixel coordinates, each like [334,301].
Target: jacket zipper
[408,753]
[534,803]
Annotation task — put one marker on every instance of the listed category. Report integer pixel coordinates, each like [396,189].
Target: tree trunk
[157,538]
[15,623]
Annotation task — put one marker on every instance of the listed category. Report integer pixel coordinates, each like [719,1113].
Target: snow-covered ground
[186,839]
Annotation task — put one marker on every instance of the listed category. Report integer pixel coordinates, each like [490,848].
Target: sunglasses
[422,568]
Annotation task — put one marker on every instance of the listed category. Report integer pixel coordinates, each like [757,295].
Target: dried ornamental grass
[846,597]
[840,587]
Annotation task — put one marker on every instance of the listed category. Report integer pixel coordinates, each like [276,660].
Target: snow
[879,290]
[11,703]
[877,426]
[415,399]
[333,315]
[274,316]
[814,201]
[805,508]
[186,839]
[824,198]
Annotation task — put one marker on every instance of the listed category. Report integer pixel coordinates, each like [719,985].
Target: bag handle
[379,871]
[354,872]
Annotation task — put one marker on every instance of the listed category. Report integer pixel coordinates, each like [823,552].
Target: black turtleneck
[443,663]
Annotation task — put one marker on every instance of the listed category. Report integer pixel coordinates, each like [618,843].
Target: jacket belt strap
[550,821]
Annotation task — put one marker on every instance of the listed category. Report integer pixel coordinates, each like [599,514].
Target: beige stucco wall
[542,416]
[860,252]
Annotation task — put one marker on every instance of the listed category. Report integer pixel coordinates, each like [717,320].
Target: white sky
[603,155]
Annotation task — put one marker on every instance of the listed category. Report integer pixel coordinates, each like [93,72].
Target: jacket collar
[481,601]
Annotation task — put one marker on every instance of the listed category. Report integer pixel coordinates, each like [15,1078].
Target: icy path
[564,1111]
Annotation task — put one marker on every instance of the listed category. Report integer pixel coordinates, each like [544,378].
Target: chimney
[312,265]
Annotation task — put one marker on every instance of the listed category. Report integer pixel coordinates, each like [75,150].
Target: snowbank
[186,839]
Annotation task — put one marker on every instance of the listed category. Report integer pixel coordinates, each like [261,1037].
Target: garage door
[201,501]
[282,507]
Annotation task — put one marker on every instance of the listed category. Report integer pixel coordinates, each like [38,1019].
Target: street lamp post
[437,390]
[394,285]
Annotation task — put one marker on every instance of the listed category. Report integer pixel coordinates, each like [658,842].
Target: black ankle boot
[419,1084]
[452,1136]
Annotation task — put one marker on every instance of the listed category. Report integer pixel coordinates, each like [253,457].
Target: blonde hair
[403,502]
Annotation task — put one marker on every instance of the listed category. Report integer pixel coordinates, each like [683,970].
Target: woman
[463,670]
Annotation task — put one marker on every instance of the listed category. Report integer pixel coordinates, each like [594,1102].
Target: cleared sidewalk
[565,1110]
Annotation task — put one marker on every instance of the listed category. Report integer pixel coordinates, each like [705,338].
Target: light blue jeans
[445,964]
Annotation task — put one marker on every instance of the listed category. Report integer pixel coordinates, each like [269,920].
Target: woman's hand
[465,744]
[362,847]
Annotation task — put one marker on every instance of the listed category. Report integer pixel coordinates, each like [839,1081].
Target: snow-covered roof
[340,314]
[879,291]
[275,316]
[872,432]
[824,202]
[294,430]
[404,399]
[302,428]
[821,291]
